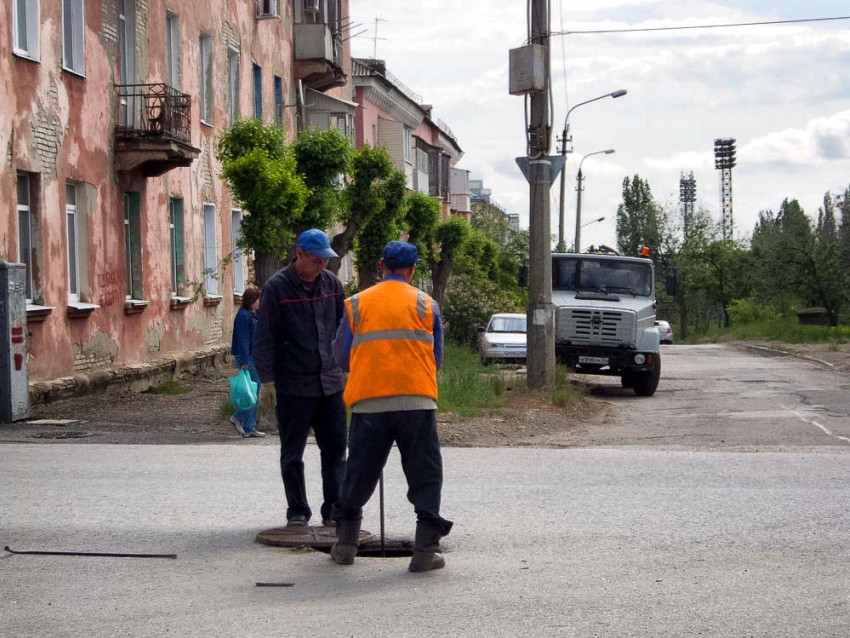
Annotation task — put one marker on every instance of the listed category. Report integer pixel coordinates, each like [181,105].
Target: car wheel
[646,383]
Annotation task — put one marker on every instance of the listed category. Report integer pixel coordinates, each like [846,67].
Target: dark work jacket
[293,346]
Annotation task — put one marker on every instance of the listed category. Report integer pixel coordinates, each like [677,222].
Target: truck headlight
[640,359]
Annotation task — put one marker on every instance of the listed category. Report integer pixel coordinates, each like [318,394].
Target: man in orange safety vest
[391,341]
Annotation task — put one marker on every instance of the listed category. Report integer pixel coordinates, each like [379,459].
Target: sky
[782,91]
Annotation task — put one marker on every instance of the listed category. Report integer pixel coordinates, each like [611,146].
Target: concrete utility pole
[579,189]
[541,317]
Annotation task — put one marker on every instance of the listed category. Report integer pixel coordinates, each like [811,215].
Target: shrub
[743,311]
[469,303]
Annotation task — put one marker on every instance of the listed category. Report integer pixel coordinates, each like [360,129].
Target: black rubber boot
[345,548]
[425,547]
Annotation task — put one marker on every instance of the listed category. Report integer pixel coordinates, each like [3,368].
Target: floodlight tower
[687,200]
[725,161]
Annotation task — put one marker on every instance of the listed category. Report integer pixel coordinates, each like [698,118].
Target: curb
[137,377]
[766,349]
[785,353]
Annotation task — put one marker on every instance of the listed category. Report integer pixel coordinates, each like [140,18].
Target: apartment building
[110,115]
[392,115]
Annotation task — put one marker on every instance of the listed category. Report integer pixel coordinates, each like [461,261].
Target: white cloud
[823,139]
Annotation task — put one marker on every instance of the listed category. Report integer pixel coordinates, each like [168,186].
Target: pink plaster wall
[39,96]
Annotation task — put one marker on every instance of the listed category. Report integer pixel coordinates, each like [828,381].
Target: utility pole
[579,188]
[562,246]
[540,314]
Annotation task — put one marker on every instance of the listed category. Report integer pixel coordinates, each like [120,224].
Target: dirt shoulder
[833,356]
[196,417]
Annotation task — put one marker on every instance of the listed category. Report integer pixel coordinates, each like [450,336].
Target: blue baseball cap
[317,243]
[400,254]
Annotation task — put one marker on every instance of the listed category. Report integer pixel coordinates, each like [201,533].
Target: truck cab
[605,317]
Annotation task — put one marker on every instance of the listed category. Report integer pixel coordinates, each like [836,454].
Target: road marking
[825,429]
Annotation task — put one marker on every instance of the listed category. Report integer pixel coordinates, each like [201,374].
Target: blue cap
[400,254]
[317,243]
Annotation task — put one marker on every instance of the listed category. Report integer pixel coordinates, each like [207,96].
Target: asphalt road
[733,519]
[714,397]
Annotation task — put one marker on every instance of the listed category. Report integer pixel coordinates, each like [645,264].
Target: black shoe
[328,522]
[297,521]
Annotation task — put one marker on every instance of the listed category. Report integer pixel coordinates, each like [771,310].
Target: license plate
[595,360]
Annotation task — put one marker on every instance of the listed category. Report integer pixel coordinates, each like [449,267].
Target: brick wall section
[215,327]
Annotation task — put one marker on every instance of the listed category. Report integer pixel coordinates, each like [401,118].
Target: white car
[664,331]
[504,338]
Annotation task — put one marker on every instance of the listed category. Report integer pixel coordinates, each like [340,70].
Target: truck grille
[596,327]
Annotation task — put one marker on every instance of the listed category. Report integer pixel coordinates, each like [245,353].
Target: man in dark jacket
[300,311]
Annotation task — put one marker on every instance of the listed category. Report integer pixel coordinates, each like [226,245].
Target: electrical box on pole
[14,373]
[528,70]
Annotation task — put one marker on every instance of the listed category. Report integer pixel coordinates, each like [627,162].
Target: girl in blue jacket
[242,349]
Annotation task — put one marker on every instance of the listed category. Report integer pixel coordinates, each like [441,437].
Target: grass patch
[564,392]
[171,387]
[467,386]
[785,330]
[226,410]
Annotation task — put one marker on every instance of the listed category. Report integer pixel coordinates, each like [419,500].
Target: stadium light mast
[724,161]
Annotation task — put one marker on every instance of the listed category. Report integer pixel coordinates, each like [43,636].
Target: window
[258,91]
[407,154]
[206,79]
[233,84]
[278,100]
[178,268]
[133,245]
[73,36]
[172,49]
[268,8]
[25,33]
[210,253]
[25,247]
[238,256]
[73,253]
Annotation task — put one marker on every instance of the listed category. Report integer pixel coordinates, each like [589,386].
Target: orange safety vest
[392,351]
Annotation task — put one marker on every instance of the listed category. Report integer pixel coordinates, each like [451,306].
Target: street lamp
[580,189]
[564,139]
[593,222]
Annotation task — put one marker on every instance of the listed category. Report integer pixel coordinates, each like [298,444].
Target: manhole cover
[307,536]
[62,435]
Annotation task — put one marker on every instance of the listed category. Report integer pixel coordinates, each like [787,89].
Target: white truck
[605,317]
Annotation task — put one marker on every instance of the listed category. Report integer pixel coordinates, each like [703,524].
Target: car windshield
[507,324]
[602,275]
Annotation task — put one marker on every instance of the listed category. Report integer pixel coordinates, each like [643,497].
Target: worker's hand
[246,367]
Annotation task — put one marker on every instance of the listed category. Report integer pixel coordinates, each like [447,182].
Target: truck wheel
[627,380]
[646,383]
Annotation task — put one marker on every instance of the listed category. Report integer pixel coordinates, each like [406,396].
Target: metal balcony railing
[153,111]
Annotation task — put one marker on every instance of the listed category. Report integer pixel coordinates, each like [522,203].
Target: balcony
[153,131]
[318,57]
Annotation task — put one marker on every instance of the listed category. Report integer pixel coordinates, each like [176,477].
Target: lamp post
[593,222]
[580,189]
[564,139]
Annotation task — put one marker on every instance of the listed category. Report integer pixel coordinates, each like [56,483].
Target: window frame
[32,22]
[132,261]
[25,209]
[72,247]
[257,81]
[238,255]
[172,49]
[77,47]
[233,65]
[205,67]
[177,239]
[210,252]
[408,144]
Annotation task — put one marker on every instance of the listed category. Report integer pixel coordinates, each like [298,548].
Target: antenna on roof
[375,37]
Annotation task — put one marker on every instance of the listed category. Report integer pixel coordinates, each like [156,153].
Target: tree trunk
[440,273]
[342,245]
[367,276]
[266,264]
[683,312]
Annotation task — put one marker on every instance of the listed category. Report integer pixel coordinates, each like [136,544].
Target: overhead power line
[702,26]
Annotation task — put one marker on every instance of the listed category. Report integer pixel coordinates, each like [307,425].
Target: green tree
[323,158]
[379,228]
[638,219]
[264,179]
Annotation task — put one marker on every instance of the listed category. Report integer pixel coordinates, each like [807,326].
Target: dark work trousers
[370,439]
[295,417]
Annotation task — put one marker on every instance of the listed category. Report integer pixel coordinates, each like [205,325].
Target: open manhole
[73,434]
[392,548]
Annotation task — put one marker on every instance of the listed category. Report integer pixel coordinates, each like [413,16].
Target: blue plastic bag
[243,391]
